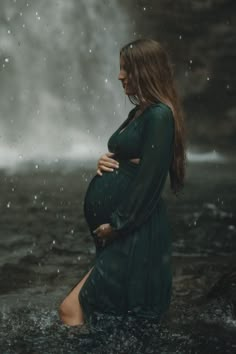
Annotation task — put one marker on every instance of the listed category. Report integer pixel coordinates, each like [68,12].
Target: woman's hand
[106,163]
[105,233]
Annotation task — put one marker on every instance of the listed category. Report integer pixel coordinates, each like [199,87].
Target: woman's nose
[121,76]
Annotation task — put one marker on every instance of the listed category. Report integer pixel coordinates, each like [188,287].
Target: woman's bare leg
[70,311]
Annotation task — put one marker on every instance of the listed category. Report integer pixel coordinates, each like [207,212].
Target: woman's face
[123,77]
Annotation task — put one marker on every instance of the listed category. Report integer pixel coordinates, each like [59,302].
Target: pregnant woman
[123,206]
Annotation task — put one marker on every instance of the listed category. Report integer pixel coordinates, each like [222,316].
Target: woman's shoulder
[159,119]
[160,106]
[159,111]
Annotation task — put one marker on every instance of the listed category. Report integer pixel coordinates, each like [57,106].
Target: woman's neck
[143,106]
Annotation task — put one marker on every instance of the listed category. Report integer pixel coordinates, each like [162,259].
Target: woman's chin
[128,92]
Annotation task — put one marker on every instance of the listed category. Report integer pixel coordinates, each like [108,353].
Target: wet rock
[225,288]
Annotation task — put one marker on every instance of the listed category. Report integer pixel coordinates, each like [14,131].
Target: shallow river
[45,248]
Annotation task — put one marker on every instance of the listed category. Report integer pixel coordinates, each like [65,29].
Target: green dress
[132,273]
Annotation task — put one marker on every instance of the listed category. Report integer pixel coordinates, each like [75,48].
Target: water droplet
[231,227]
[8,204]
[6,60]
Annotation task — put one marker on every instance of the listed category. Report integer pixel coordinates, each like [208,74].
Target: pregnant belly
[105,192]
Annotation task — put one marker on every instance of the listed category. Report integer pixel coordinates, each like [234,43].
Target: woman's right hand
[106,163]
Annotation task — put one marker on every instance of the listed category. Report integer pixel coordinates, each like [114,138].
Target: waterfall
[60,94]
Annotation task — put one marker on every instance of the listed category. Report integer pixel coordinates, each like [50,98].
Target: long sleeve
[146,188]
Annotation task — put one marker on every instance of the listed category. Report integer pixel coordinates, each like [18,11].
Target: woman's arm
[157,152]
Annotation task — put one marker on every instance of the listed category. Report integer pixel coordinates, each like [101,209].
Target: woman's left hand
[104,231]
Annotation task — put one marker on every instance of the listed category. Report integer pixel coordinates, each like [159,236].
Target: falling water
[60,96]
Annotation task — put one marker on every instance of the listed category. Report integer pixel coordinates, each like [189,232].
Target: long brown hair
[149,69]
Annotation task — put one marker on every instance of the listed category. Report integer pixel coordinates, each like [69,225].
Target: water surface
[45,249]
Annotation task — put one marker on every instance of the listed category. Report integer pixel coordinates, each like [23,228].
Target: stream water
[45,248]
